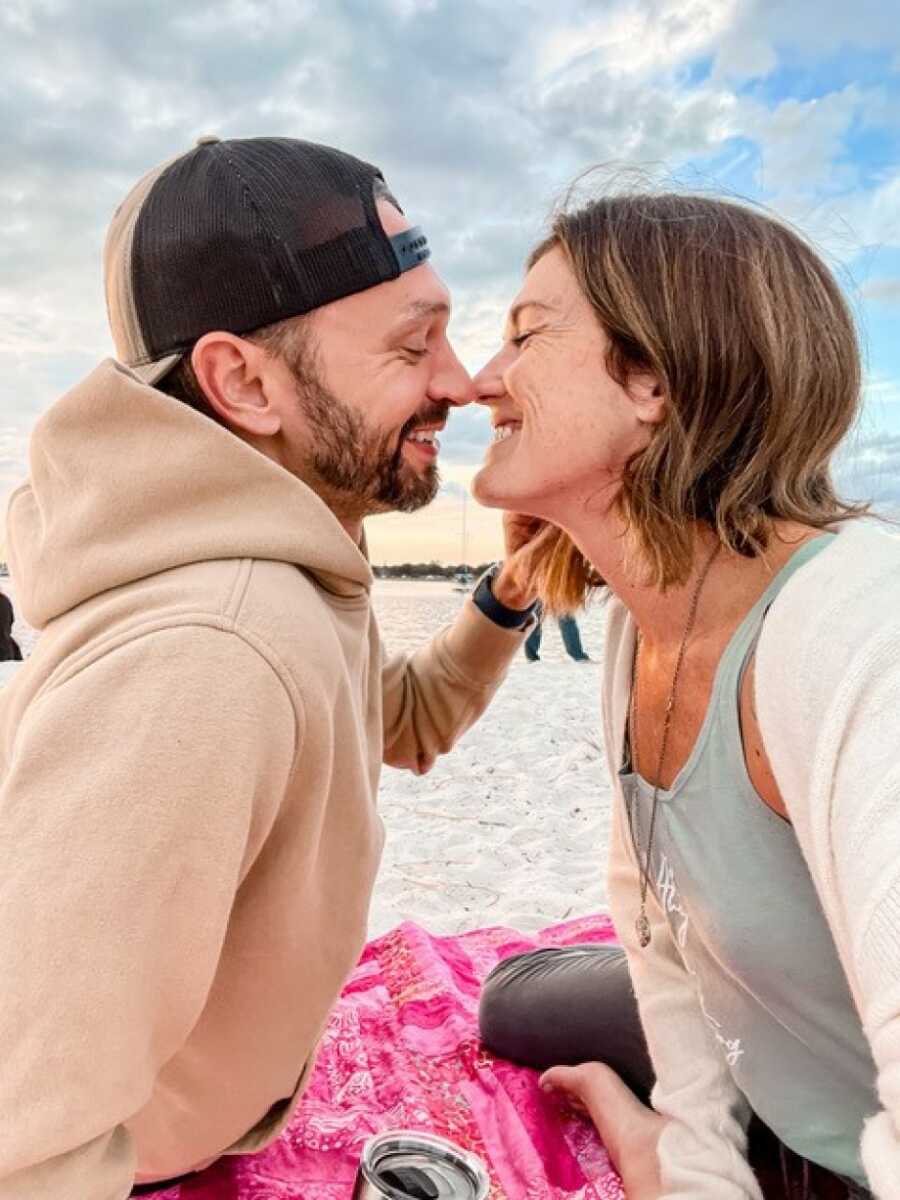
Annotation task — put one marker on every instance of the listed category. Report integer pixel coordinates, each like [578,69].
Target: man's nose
[451,382]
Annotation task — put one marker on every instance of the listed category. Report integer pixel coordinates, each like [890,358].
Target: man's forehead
[392,220]
[390,305]
[425,293]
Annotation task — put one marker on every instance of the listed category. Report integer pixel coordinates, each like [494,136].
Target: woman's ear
[648,395]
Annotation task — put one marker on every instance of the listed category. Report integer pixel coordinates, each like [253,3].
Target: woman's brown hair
[754,344]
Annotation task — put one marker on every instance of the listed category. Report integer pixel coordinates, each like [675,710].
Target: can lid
[411,1181]
[406,1165]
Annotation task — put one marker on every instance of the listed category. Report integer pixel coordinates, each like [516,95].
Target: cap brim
[153,372]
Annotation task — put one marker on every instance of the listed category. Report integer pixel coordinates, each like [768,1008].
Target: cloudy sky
[479,113]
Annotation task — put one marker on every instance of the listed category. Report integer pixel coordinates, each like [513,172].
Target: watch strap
[507,618]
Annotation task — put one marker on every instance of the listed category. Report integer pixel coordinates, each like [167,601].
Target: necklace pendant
[642,928]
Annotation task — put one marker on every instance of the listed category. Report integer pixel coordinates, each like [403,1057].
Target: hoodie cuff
[480,649]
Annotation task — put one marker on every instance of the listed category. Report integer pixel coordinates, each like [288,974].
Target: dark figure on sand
[568,628]
[9,647]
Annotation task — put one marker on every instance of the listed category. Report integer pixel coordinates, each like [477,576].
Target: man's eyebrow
[426,308]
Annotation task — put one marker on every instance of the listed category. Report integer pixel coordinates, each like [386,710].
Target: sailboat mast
[465,563]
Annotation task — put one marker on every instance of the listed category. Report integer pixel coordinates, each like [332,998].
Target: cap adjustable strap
[410,248]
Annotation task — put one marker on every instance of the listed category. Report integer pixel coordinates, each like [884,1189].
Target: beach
[512,826]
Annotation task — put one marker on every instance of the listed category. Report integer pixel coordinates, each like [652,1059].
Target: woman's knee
[540,1008]
[565,1006]
[502,1005]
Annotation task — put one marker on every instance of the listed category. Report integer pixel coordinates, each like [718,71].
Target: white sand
[511,827]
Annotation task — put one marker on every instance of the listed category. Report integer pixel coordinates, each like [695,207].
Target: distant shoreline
[435,571]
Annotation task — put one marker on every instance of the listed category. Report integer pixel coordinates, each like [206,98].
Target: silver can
[403,1165]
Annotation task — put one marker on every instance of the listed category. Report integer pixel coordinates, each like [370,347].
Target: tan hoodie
[190,760]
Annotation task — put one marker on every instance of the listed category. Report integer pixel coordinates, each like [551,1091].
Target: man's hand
[521,533]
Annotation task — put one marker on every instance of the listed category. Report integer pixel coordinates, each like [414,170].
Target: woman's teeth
[502,432]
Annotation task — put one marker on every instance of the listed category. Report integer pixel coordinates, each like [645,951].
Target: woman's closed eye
[521,338]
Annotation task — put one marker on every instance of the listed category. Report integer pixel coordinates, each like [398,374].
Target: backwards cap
[238,234]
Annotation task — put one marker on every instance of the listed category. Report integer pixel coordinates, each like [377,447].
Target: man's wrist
[498,610]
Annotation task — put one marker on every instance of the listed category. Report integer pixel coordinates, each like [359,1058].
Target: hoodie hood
[126,482]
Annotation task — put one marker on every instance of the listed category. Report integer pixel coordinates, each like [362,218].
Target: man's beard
[360,473]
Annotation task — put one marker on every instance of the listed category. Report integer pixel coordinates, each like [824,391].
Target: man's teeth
[502,432]
[426,436]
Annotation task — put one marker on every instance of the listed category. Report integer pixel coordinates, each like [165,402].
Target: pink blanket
[402,1051]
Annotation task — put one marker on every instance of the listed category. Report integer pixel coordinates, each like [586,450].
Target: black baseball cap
[238,234]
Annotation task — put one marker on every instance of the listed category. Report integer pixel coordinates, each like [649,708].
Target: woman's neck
[734,583]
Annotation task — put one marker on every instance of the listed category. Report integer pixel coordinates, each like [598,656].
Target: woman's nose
[488,383]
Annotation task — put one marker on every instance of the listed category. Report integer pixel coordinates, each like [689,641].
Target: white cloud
[407,9]
[882,390]
[847,224]
[882,219]
[882,291]
[477,328]
[255,20]
[807,29]
[479,113]
[802,142]
[869,470]
[633,39]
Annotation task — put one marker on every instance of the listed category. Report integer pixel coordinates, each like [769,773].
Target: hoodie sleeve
[136,797]
[432,697]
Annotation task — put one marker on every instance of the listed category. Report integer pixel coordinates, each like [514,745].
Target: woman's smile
[506,430]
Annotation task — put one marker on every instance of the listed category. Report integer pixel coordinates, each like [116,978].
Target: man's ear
[231,372]
[648,395]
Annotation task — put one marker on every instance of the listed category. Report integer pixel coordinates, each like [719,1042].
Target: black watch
[507,618]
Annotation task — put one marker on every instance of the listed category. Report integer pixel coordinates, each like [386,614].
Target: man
[192,752]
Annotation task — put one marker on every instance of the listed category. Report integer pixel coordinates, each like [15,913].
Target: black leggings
[575,1004]
[161,1185]
[556,1007]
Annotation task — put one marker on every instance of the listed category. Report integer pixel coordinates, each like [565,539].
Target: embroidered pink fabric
[401,1051]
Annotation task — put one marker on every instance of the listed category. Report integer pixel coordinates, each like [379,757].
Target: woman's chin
[487,487]
[495,486]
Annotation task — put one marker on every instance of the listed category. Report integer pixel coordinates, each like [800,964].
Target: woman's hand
[628,1129]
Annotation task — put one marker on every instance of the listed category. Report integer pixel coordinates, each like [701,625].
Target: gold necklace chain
[642,924]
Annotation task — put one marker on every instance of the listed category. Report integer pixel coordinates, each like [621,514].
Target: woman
[676,376]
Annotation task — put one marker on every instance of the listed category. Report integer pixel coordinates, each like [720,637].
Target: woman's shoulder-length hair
[754,343]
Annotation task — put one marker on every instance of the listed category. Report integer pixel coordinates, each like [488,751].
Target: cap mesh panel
[236,235]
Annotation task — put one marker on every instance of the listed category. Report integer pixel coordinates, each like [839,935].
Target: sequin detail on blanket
[402,1050]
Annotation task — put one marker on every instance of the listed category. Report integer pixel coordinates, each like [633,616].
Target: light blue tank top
[741,904]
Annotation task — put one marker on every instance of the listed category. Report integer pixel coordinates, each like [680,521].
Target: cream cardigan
[828,700]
